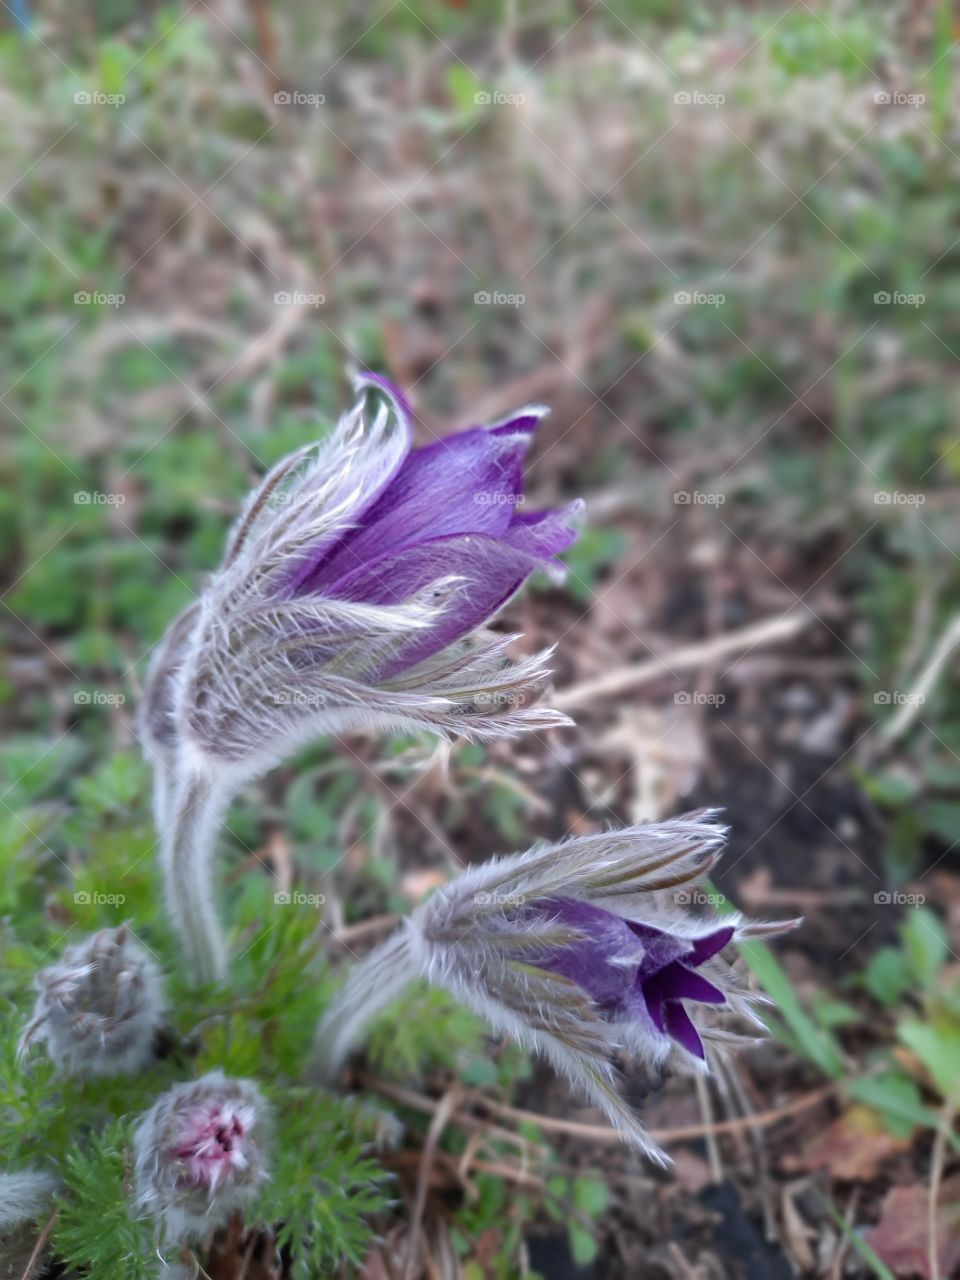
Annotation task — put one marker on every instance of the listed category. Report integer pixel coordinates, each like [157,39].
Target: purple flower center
[633,970]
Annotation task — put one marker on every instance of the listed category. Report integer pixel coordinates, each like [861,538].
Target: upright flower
[577,949]
[200,1154]
[352,595]
[99,1007]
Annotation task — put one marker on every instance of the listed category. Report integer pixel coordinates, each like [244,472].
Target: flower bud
[98,1008]
[200,1154]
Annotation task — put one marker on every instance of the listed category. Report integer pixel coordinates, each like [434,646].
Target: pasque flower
[352,595]
[99,1007]
[579,950]
[200,1154]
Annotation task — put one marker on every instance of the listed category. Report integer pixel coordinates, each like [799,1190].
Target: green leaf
[463,87]
[937,1045]
[926,943]
[886,977]
[590,1196]
[897,1098]
[583,1244]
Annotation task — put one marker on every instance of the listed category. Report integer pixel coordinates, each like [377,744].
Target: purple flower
[634,971]
[447,510]
[578,950]
[353,595]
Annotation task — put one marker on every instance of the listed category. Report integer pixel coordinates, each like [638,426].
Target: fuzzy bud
[98,1008]
[200,1154]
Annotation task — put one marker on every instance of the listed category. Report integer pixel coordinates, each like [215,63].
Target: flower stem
[372,984]
[186,857]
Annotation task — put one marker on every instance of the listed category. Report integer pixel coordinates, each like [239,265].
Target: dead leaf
[851,1149]
[900,1237]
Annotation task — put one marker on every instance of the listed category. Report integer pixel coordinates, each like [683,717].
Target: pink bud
[199,1154]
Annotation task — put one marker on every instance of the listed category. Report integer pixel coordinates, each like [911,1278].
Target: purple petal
[680,1027]
[545,533]
[589,962]
[491,571]
[677,982]
[467,483]
[706,948]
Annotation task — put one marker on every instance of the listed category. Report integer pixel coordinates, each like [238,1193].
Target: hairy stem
[187,860]
[371,985]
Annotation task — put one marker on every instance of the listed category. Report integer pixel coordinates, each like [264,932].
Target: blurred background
[723,244]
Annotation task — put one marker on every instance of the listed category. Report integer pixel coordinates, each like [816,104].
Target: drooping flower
[200,1154]
[99,1007]
[578,950]
[353,594]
